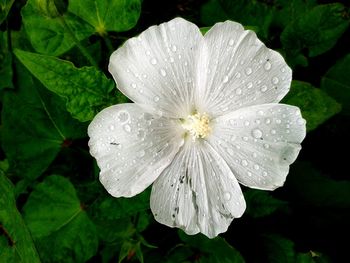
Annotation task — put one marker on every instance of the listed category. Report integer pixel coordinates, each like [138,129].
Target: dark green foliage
[54,80]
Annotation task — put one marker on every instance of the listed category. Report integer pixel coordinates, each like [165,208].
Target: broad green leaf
[35,126]
[261,203]
[103,16]
[212,250]
[5,6]
[311,188]
[16,244]
[60,227]
[246,12]
[316,106]
[50,35]
[279,249]
[336,83]
[86,90]
[5,62]
[317,30]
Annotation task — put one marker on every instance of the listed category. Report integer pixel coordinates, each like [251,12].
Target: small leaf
[316,106]
[49,35]
[212,250]
[261,203]
[35,125]
[60,227]
[336,83]
[5,6]
[103,16]
[86,90]
[5,62]
[317,30]
[16,244]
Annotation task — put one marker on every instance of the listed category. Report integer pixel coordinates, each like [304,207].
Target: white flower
[206,116]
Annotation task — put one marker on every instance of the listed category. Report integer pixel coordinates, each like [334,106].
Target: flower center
[197,125]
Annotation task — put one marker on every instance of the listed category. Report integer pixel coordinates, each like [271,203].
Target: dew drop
[257,133]
[267,66]
[268,121]
[227,196]
[238,75]
[123,116]
[273,131]
[127,128]
[249,85]
[246,123]
[275,80]
[141,153]
[238,91]
[264,173]
[133,85]
[266,146]
[230,151]
[256,167]
[162,72]
[244,162]
[173,48]
[148,52]
[171,59]
[278,121]
[111,127]
[156,98]
[248,71]
[245,138]
[260,112]
[263,88]
[231,42]
[153,61]
[225,80]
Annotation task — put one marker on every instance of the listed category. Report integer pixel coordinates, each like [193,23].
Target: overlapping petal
[197,192]
[235,70]
[259,143]
[131,147]
[157,67]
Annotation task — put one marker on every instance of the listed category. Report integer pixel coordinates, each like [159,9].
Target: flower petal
[259,143]
[197,192]
[237,70]
[131,147]
[157,67]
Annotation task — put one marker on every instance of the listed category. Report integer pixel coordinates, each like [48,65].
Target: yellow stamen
[197,125]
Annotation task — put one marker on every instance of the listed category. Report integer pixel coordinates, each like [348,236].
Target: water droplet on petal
[225,79]
[257,133]
[249,85]
[246,123]
[171,59]
[238,91]
[273,131]
[111,127]
[141,153]
[127,128]
[230,151]
[267,65]
[278,121]
[245,138]
[227,196]
[248,71]
[238,75]
[123,116]
[156,98]
[231,42]
[256,167]
[263,88]
[244,162]
[153,61]
[148,52]
[266,146]
[173,48]
[133,85]
[268,121]
[162,72]
[275,80]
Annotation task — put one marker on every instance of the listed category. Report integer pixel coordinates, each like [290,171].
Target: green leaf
[317,30]
[113,15]
[86,90]
[35,126]
[336,83]
[5,62]
[49,35]
[212,250]
[246,12]
[16,244]
[261,203]
[59,225]
[5,6]
[279,249]
[316,106]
